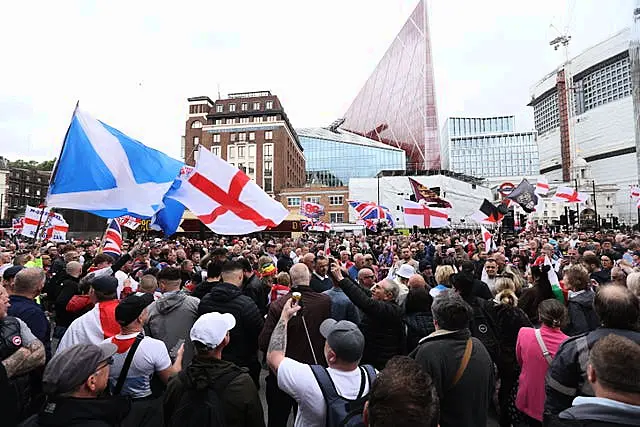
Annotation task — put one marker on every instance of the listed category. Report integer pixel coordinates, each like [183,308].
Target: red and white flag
[487,238]
[52,225]
[131,222]
[416,214]
[542,186]
[569,195]
[225,199]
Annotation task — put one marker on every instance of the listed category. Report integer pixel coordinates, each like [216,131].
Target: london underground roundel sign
[506,188]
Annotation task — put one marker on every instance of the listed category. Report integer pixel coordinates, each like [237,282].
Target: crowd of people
[380,330]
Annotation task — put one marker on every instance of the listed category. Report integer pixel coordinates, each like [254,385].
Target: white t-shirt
[297,380]
[122,276]
[151,356]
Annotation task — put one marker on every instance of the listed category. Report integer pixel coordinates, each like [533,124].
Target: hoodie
[582,316]
[170,320]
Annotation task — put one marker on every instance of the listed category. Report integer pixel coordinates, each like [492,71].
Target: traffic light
[563,219]
[572,217]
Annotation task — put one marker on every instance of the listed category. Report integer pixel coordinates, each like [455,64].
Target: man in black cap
[309,385]
[74,379]
[148,356]
[8,277]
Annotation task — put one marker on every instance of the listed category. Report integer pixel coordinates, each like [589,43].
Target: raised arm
[25,359]
[278,342]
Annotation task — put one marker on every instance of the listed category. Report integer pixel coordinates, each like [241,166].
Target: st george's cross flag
[105,172]
[112,242]
[419,215]
[487,238]
[225,199]
[569,195]
[52,225]
[542,186]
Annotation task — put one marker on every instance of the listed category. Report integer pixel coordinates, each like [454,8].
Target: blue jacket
[31,313]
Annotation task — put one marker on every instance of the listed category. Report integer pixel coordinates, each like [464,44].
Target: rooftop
[344,136]
[256,94]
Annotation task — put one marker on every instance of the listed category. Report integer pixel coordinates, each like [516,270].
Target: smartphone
[173,353]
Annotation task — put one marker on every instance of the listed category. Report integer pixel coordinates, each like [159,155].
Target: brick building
[24,187]
[334,200]
[251,131]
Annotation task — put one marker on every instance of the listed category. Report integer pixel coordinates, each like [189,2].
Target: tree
[47,165]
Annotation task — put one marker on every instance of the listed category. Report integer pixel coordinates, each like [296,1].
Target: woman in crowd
[582,316]
[443,279]
[533,361]
[540,291]
[418,319]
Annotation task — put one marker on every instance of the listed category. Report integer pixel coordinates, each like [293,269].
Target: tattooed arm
[25,359]
[278,343]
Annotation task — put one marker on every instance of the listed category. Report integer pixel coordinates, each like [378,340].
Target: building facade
[334,200]
[488,147]
[583,111]
[251,131]
[397,105]
[25,187]
[334,155]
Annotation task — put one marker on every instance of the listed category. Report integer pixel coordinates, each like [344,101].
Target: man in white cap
[402,279]
[237,394]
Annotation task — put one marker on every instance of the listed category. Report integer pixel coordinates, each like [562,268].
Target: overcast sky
[133,64]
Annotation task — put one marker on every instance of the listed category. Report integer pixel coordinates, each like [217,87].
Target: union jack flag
[371,211]
[316,226]
[112,242]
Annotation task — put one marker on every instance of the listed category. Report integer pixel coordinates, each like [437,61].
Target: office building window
[607,84]
[216,150]
[232,137]
[313,199]
[231,153]
[257,119]
[252,151]
[216,138]
[256,105]
[268,185]
[244,119]
[242,136]
[218,121]
[293,201]
[336,217]
[252,136]
[231,121]
[272,118]
[244,106]
[196,141]
[268,134]
[267,150]
[232,107]
[336,200]
[269,105]
[219,108]
[545,113]
[196,125]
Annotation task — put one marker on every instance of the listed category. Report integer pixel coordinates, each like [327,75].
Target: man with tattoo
[20,353]
[308,384]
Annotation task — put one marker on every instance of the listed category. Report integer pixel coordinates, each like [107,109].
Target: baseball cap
[211,328]
[11,272]
[344,338]
[130,308]
[105,284]
[72,366]
[405,271]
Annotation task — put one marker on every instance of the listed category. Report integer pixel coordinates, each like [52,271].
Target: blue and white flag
[105,172]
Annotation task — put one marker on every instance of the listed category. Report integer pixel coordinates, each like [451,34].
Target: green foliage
[47,165]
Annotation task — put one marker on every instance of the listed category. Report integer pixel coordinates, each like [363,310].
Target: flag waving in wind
[487,238]
[569,195]
[225,199]
[105,172]
[524,194]
[416,214]
[488,213]
[371,211]
[112,242]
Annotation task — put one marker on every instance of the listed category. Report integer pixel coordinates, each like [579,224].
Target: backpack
[484,327]
[342,411]
[204,407]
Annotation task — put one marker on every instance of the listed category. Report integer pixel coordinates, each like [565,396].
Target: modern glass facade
[334,157]
[397,105]
[489,147]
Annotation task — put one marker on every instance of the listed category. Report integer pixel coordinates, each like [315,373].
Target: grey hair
[392,288]
[450,311]
[28,279]
[633,283]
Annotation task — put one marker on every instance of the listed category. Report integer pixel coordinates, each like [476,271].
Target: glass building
[397,105]
[334,156]
[488,147]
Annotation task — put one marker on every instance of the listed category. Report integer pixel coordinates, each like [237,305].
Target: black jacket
[320,285]
[440,355]
[254,289]
[582,316]
[69,289]
[596,415]
[381,325]
[481,289]
[203,289]
[566,377]
[227,298]
[69,412]
[284,263]
[418,325]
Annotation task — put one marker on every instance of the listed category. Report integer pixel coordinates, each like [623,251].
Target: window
[269,105]
[242,136]
[252,136]
[231,153]
[313,199]
[268,185]
[293,201]
[256,105]
[545,113]
[241,152]
[232,107]
[268,168]
[257,119]
[336,200]
[244,119]
[231,121]
[244,106]
[216,150]
[605,85]
[218,121]
[37,192]
[272,118]
[251,170]
[268,134]
[232,137]
[252,151]
[196,125]
[336,217]
[196,141]
[267,150]
[242,167]
[26,190]
[216,138]
[219,108]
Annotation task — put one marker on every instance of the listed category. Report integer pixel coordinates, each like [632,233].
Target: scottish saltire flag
[371,211]
[105,172]
[112,242]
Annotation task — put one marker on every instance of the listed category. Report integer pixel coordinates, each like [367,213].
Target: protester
[417,318]
[252,285]
[540,291]
[188,392]
[366,278]
[404,272]
[320,282]
[213,278]
[281,287]
[8,277]
[70,287]
[358,263]
[489,273]
[582,317]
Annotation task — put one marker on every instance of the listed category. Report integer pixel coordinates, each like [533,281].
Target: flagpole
[54,172]
[39,222]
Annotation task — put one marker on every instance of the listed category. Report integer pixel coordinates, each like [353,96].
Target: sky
[133,64]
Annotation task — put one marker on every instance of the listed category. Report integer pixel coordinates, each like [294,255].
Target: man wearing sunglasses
[74,380]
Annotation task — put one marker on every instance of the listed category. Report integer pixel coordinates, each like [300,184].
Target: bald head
[416,281]
[29,282]
[309,260]
[300,275]
[74,269]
